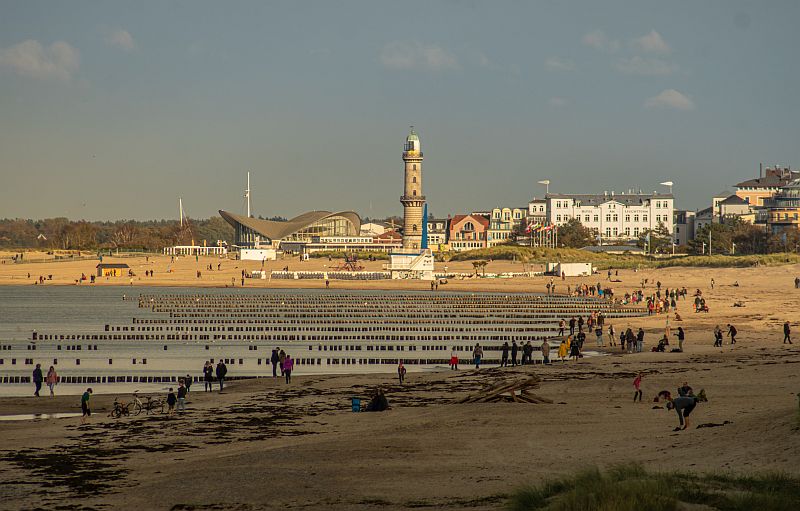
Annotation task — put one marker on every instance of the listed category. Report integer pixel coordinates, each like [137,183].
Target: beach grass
[631,488]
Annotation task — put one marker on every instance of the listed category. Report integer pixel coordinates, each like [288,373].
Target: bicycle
[150,405]
[120,409]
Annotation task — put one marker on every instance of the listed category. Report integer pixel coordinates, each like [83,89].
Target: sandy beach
[265,445]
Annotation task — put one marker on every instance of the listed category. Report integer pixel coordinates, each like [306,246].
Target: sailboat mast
[180,209]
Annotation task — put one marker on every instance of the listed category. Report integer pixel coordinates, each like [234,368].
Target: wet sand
[265,445]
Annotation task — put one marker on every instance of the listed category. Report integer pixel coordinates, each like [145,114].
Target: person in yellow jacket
[563,349]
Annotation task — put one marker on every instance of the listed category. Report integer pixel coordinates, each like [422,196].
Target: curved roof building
[251,232]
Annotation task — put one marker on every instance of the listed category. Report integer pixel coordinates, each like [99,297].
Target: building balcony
[420,198]
[412,155]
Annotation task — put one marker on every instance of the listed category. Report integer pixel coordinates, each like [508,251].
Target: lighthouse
[412,199]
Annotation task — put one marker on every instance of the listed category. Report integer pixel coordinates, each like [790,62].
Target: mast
[180,209]
[247,194]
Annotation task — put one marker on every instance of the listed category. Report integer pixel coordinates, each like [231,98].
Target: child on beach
[401,372]
[87,412]
[637,382]
[171,400]
[454,359]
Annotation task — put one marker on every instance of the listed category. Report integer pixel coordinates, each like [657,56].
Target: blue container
[356,404]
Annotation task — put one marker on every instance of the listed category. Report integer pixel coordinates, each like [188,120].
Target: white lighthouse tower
[412,199]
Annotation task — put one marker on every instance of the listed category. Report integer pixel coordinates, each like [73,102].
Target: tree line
[150,235]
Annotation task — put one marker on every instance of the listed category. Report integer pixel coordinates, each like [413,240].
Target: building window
[608,218]
[597,218]
[558,218]
[608,232]
[644,218]
[627,231]
[414,179]
[627,218]
[616,217]
[635,218]
[415,166]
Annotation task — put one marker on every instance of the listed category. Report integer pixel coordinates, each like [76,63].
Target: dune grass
[632,488]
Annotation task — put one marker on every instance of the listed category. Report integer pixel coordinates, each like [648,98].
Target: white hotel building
[617,217]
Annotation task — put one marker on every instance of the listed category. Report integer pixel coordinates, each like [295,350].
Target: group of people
[283,361]
[38,379]
[209,371]
[683,405]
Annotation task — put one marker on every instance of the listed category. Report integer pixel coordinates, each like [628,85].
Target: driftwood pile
[518,391]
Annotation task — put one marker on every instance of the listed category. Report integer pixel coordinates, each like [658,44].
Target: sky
[113,110]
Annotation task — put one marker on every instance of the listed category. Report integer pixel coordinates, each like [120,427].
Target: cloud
[599,41]
[637,65]
[122,39]
[31,58]
[559,64]
[670,98]
[412,55]
[558,102]
[652,43]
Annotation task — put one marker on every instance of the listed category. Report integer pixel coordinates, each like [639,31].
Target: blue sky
[112,110]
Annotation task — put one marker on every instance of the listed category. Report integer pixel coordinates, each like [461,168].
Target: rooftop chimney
[760,170]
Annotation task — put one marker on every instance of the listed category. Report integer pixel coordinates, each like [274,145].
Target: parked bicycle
[120,409]
[150,404]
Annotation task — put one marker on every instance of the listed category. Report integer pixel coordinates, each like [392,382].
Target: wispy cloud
[637,65]
[599,40]
[122,39]
[651,43]
[31,58]
[412,55]
[559,64]
[557,102]
[670,98]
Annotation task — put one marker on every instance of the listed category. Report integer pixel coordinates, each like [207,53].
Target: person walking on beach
[275,359]
[572,325]
[188,382]
[639,340]
[281,359]
[171,400]
[37,379]
[787,333]
[182,391]
[454,359]
[401,372]
[732,333]
[51,379]
[561,325]
[611,335]
[574,351]
[504,356]
[599,333]
[637,383]
[545,348]
[477,354]
[85,408]
[208,376]
[222,370]
[514,351]
[562,350]
[288,365]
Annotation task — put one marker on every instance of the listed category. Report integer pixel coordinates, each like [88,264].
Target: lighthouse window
[414,180]
[415,166]
[414,192]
